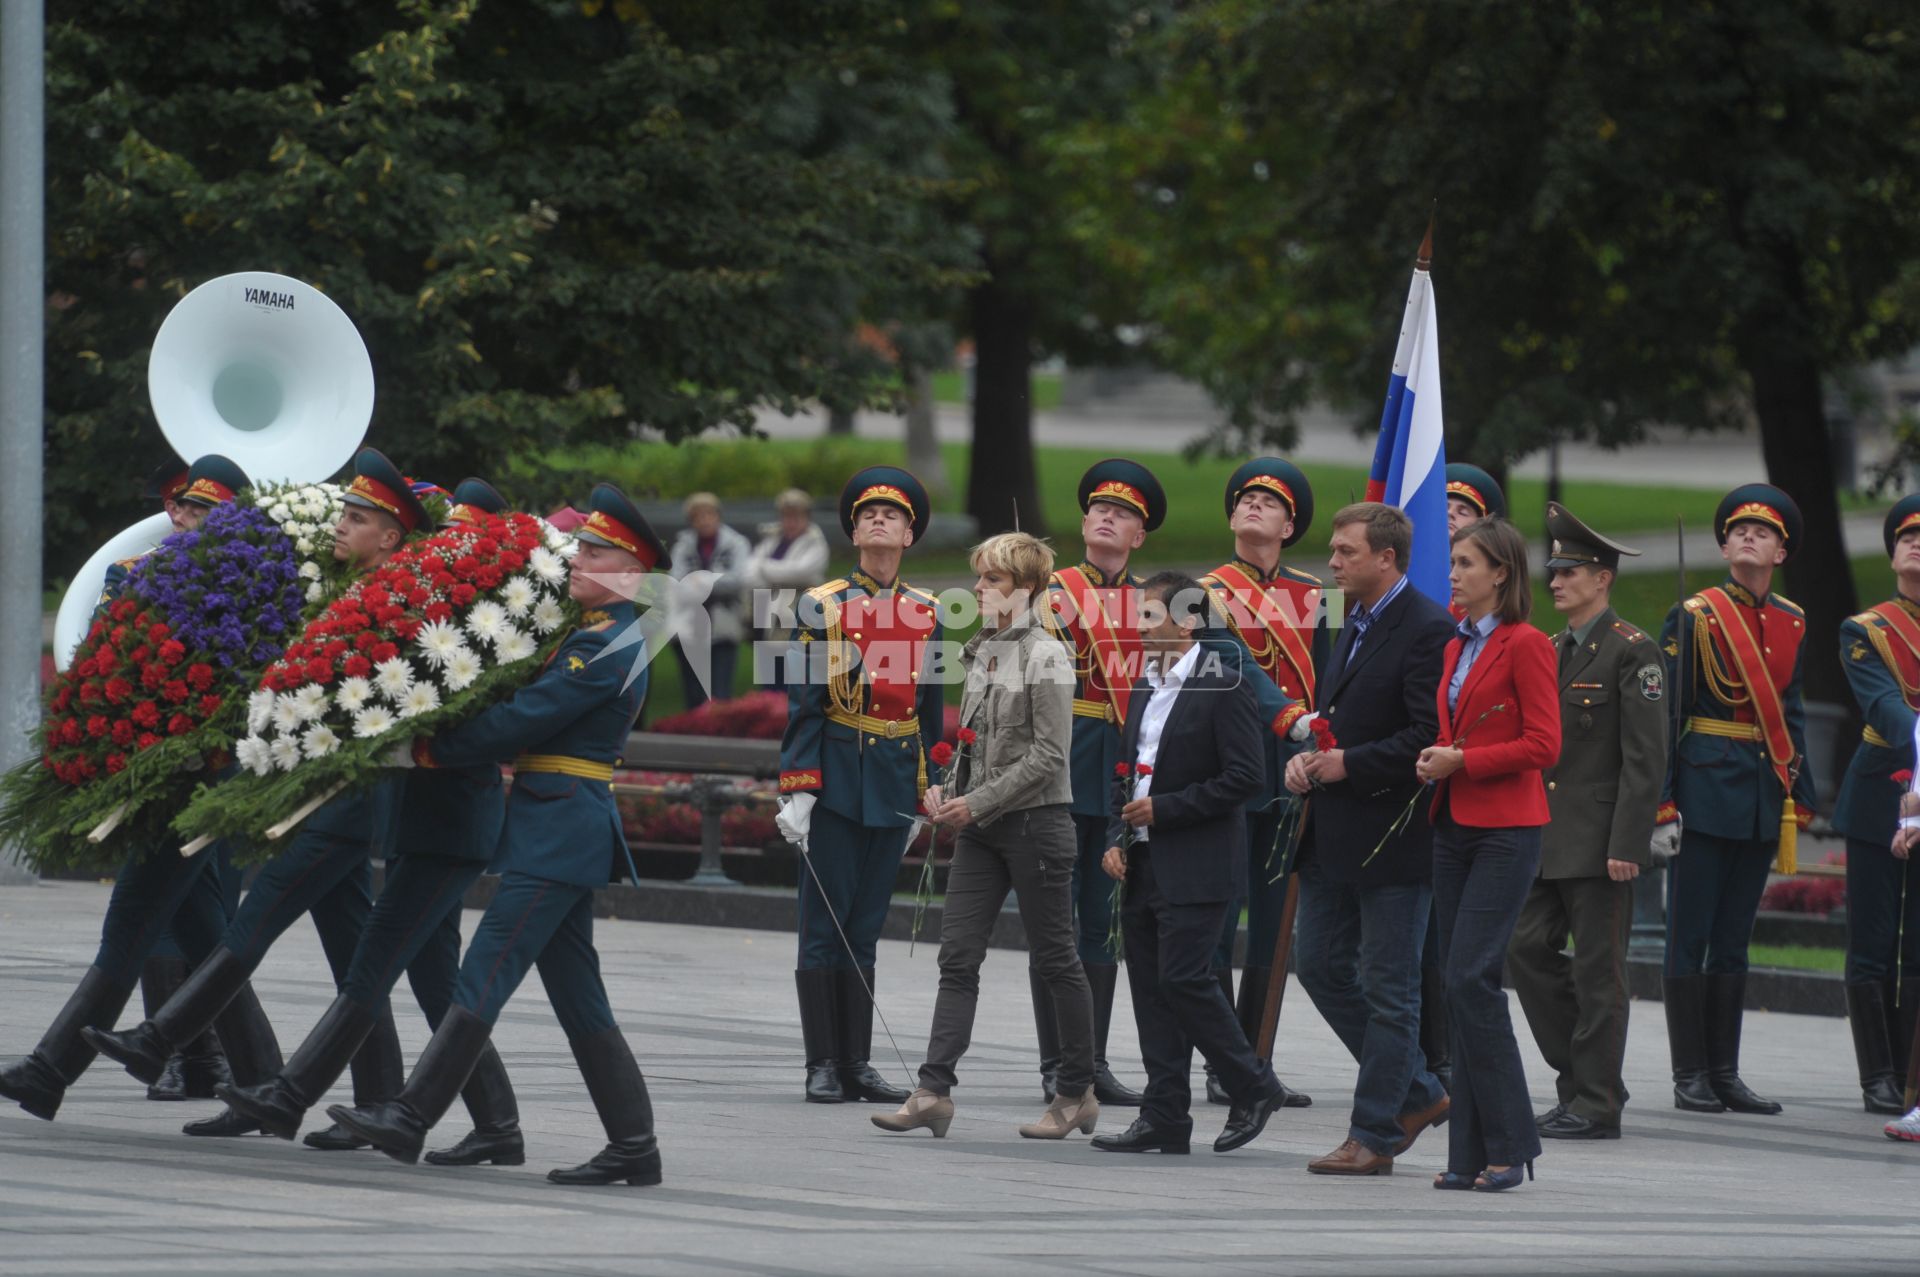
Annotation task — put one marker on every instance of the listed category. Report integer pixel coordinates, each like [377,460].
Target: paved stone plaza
[760,1183]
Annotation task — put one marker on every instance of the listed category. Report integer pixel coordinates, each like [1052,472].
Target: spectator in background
[708,545]
[791,555]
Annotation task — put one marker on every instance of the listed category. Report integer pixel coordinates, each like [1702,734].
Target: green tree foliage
[1649,212]
[551,221]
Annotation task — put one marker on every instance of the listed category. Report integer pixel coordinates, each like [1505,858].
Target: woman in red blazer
[1499,725]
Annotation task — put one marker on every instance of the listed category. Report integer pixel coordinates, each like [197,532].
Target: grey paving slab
[760,1183]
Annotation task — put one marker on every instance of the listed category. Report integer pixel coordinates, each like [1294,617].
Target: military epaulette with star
[593,621]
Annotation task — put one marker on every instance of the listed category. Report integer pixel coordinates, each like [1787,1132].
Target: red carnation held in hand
[941,754]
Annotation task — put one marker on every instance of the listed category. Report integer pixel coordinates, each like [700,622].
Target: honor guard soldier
[1602,796]
[1274,623]
[864,707]
[1094,611]
[563,733]
[1736,788]
[1880,650]
[324,871]
[1472,495]
[446,833]
[166,912]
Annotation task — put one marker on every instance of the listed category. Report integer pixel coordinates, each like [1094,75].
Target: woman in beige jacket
[1007,796]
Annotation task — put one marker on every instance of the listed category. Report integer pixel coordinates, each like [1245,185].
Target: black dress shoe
[823,1083]
[224,1124]
[1216,1093]
[1571,1126]
[1245,1124]
[636,1161]
[1738,1097]
[335,1139]
[141,1049]
[502,1148]
[1143,1137]
[34,1085]
[1882,1095]
[1551,1116]
[1292,1099]
[172,1082]
[393,1128]
[1108,1089]
[861,1081]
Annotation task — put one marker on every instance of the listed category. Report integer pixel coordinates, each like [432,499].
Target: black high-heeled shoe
[1455,1179]
[1501,1181]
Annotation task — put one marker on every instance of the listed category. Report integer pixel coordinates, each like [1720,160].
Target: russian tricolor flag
[1410,461]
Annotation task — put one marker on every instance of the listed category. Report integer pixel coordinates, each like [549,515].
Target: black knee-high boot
[496,1136]
[378,1074]
[859,1080]
[38,1081]
[193,1072]
[1102,977]
[1873,1048]
[1726,1009]
[252,1056]
[279,1104]
[819,1000]
[620,1098]
[144,1048]
[1685,1001]
[399,1126]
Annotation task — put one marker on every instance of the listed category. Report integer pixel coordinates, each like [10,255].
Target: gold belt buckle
[893,728]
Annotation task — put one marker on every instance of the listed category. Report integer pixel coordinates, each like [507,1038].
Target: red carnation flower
[357,666]
[172,652]
[417,598]
[384,652]
[407,628]
[1902,776]
[941,754]
[175,690]
[121,609]
[64,698]
[146,714]
[97,726]
[320,671]
[179,725]
[1122,770]
[147,740]
[123,733]
[159,632]
[486,547]
[117,691]
[335,650]
[374,596]
[489,576]
[967,735]
[140,655]
[366,641]
[1143,769]
[119,634]
[200,674]
[465,566]
[90,694]
[153,675]
[209,706]
[463,594]
[439,612]
[116,763]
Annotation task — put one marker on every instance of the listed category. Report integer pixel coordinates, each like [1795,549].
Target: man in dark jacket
[1192,754]
[1366,888]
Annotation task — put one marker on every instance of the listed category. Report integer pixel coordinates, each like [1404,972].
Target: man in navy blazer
[1365,896]
[1178,839]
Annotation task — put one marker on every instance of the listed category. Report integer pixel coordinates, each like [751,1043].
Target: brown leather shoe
[1435,1114]
[1351,1158]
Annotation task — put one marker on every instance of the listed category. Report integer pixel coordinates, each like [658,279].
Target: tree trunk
[1001,476]
[839,421]
[1793,440]
[923,440]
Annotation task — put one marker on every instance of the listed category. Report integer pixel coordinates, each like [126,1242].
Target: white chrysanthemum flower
[286,712]
[259,711]
[514,645]
[279,512]
[548,615]
[252,753]
[438,641]
[353,694]
[561,543]
[421,698]
[319,741]
[547,565]
[518,595]
[372,721]
[310,702]
[304,546]
[393,677]
[286,752]
[461,671]
[316,592]
[486,620]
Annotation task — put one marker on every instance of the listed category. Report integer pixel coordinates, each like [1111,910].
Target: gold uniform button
[1553,784]
[873,740]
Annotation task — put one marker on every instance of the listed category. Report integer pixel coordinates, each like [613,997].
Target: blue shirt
[1362,617]
[1476,635]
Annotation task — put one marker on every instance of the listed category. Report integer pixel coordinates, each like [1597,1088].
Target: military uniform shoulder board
[825,593]
[1630,633]
[919,595]
[1786,604]
[1304,578]
[1865,619]
[594,621]
[1695,603]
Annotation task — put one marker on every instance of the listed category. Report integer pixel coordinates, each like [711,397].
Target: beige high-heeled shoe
[1066,1114]
[923,1108]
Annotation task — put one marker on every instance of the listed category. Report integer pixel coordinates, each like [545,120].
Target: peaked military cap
[474,497]
[613,519]
[1477,488]
[1575,544]
[892,485]
[1759,503]
[166,481]
[379,485]
[212,480]
[1904,515]
[1126,483]
[1282,478]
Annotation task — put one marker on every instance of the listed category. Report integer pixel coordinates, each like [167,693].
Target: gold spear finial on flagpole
[1424,260]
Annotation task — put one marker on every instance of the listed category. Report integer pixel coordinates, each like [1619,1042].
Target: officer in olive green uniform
[1602,794]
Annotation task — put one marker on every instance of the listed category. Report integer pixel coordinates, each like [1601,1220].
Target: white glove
[400,756]
[796,815]
[1301,729]
[1666,842]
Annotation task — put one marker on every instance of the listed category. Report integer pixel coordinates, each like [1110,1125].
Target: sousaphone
[258,367]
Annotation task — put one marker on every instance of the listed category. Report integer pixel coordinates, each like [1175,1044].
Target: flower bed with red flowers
[153,695]
[446,627]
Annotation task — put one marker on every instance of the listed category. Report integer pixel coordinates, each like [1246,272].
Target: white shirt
[1153,719]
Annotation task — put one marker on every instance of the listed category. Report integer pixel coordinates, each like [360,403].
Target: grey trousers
[1030,853]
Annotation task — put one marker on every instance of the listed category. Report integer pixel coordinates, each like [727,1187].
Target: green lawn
[1799,957]
[951,387]
[1644,598]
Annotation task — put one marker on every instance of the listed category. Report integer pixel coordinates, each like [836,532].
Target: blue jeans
[1716,888]
[1357,952]
[1480,879]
